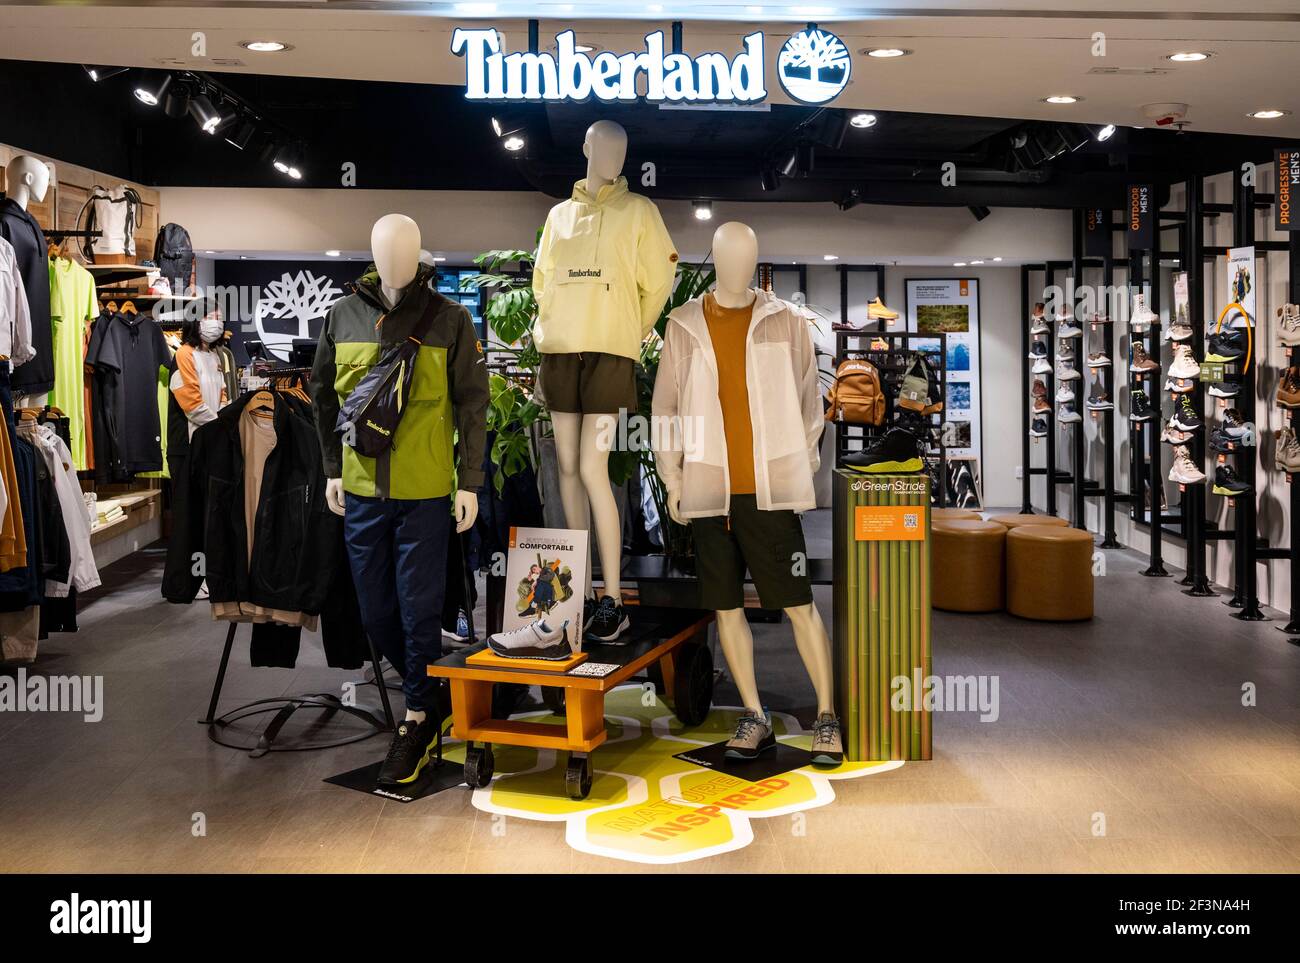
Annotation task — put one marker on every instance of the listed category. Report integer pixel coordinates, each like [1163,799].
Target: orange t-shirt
[729,330]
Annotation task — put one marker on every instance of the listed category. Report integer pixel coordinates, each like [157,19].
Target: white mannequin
[395,245]
[735,257]
[583,463]
[27,179]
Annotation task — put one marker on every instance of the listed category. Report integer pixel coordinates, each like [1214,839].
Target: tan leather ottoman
[967,566]
[953,514]
[1049,573]
[1015,521]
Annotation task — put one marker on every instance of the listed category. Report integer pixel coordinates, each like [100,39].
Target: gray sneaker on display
[536,640]
[754,736]
[827,746]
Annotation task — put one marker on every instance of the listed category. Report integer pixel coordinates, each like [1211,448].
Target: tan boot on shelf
[876,311]
[1288,389]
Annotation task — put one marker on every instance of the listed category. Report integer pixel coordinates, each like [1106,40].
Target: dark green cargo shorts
[769,544]
[588,383]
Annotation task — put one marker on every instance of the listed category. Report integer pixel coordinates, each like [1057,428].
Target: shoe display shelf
[889,352]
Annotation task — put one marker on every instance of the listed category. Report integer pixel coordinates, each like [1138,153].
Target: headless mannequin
[27,179]
[735,257]
[395,245]
[583,463]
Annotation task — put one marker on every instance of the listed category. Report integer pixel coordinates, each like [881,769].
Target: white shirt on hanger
[15,318]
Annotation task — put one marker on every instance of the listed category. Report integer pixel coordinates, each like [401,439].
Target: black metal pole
[1049,276]
[1078,509]
[1243,230]
[1135,428]
[1198,581]
[1293,286]
[1110,539]
[1156,478]
[1026,448]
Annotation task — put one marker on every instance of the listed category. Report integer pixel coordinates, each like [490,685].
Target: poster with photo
[952,306]
[1240,267]
[546,578]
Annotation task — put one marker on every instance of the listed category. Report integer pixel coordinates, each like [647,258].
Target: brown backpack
[856,398]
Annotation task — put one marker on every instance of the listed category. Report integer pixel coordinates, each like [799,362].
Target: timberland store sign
[813,67]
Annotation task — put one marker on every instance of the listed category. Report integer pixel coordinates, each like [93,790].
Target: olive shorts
[588,383]
[769,544]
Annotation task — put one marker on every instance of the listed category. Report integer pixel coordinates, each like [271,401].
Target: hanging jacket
[297,542]
[784,405]
[20,229]
[15,321]
[449,392]
[605,267]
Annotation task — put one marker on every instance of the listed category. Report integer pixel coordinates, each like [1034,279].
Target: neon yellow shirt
[72,306]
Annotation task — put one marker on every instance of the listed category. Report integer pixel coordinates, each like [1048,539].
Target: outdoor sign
[1096,233]
[1140,215]
[1287,165]
[813,66]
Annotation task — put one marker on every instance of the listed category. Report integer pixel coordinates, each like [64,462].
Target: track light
[800,161]
[863,120]
[152,90]
[850,200]
[176,103]
[97,73]
[205,114]
[511,133]
[978,211]
[288,161]
[241,133]
[1105,133]
[833,130]
[769,179]
[703,210]
[1072,136]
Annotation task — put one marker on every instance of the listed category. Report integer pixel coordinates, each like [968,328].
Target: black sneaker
[610,620]
[1227,483]
[1227,345]
[1139,408]
[1185,417]
[1037,349]
[589,607]
[1222,442]
[408,753]
[894,452]
[1038,428]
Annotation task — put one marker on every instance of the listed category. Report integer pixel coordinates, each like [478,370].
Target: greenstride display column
[882,614]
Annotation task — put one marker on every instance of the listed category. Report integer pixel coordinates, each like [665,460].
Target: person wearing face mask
[198,392]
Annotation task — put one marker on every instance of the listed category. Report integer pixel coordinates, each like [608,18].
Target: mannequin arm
[675,506]
[466,510]
[334,495]
[810,402]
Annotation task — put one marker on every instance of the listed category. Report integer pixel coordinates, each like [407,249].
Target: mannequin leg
[568,448]
[738,647]
[815,649]
[594,469]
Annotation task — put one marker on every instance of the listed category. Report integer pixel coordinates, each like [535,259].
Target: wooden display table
[668,645]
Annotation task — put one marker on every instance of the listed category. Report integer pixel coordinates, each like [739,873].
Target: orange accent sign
[889,523]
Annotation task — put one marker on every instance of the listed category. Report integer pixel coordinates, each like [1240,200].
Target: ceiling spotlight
[511,133]
[975,262]
[98,73]
[769,179]
[176,102]
[1188,57]
[1268,113]
[1062,99]
[885,53]
[800,161]
[288,161]
[958,263]
[996,259]
[438,259]
[265,46]
[333,253]
[205,114]
[703,210]
[242,134]
[830,257]
[513,143]
[850,200]
[863,121]
[978,211]
[1105,133]
[152,90]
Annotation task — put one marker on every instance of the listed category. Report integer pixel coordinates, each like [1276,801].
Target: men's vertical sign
[1287,165]
[1096,233]
[1140,216]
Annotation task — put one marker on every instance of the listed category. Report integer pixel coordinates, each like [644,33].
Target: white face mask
[210,329]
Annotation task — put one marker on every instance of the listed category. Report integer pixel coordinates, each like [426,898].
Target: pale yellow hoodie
[605,267]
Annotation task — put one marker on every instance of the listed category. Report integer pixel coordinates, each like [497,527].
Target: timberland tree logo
[651,806]
[814,66]
[291,307]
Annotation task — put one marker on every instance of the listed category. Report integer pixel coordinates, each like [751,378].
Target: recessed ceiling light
[583,48]
[997,259]
[209,252]
[1062,99]
[976,261]
[958,263]
[333,253]
[885,53]
[830,257]
[438,258]
[266,46]
[863,120]
[1106,133]
[703,210]
[1188,57]
[1268,113]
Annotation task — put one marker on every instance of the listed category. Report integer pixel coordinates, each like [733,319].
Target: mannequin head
[605,148]
[395,246]
[735,256]
[26,179]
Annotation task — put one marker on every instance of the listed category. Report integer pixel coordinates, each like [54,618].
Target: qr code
[911,520]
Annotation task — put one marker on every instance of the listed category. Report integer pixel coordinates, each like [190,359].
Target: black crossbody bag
[368,419]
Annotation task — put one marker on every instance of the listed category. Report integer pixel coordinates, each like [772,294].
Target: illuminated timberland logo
[814,66]
[292,309]
[646,805]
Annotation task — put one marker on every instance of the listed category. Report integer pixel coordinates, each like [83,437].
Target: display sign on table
[546,578]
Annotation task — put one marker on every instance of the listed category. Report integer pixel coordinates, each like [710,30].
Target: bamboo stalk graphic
[870,562]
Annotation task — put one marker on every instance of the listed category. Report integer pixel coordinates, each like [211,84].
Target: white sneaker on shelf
[1184,470]
[1142,317]
[1185,364]
[1288,325]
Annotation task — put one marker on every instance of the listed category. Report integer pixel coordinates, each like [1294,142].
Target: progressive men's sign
[570,74]
[1287,165]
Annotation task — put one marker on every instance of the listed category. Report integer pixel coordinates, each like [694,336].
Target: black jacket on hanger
[20,229]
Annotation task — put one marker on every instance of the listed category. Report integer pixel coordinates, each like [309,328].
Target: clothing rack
[891,362]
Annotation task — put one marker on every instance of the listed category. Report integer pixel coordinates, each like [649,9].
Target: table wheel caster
[479,764]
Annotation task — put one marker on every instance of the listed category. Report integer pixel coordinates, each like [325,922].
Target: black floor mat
[781,759]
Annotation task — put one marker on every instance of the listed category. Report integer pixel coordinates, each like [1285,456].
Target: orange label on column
[889,523]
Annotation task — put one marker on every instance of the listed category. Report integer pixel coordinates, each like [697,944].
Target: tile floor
[1135,717]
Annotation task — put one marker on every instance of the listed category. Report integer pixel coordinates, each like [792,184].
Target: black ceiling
[409,136]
